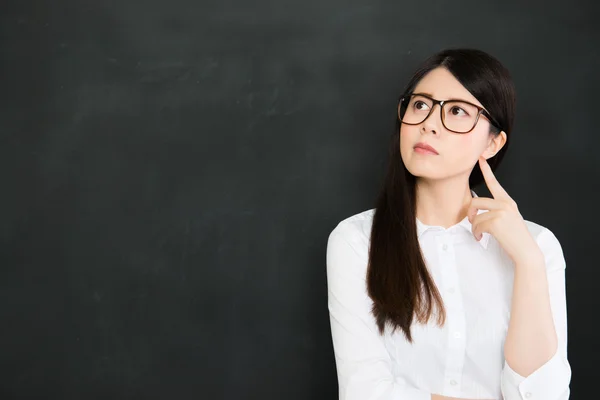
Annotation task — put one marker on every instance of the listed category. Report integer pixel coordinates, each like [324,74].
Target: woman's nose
[433,122]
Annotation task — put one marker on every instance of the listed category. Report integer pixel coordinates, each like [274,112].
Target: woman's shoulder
[357,224]
[538,231]
[355,230]
[548,243]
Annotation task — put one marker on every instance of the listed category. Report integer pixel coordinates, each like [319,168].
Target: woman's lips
[424,148]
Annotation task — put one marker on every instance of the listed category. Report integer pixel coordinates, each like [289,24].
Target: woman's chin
[424,170]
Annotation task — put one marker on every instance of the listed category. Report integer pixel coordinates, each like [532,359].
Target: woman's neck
[442,203]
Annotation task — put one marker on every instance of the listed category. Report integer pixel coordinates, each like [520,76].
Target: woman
[438,294]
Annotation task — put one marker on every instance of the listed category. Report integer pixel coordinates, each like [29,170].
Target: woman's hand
[502,220]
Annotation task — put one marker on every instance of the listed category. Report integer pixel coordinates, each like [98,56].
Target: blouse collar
[422,228]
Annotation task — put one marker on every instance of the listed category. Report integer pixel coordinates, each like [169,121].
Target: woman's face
[457,153]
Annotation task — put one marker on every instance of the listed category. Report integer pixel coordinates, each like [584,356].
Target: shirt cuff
[549,382]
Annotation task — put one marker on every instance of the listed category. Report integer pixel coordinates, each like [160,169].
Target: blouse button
[445,247]
[453,382]
[528,394]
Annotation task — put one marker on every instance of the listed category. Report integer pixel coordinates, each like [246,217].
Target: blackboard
[170,172]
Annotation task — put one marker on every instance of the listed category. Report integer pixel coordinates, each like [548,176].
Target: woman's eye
[458,111]
[419,105]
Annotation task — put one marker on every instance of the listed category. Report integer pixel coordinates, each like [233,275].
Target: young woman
[436,293]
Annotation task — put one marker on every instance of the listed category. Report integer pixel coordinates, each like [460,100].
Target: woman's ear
[496,143]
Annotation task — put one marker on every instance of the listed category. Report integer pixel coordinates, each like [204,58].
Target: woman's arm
[536,342]
[535,349]
[364,367]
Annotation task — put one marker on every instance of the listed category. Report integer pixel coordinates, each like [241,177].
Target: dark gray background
[171,170]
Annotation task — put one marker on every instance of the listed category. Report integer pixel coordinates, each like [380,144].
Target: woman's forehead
[442,85]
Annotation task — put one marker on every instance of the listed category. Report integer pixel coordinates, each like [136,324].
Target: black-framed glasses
[457,116]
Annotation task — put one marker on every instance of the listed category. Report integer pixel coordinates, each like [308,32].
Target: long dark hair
[398,281]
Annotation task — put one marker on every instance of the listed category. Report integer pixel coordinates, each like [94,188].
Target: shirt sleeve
[551,381]
[364,366]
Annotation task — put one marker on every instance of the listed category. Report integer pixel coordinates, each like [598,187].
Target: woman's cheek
[406,140]
[469,147]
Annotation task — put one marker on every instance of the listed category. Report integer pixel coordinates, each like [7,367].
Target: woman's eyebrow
[425,93]
[452,99]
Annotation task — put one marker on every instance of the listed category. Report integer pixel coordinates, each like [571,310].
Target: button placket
[455,322]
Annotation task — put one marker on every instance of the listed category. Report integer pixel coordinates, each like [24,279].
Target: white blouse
[464,358]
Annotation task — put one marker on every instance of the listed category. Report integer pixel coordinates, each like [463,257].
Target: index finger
[490,180]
